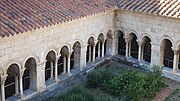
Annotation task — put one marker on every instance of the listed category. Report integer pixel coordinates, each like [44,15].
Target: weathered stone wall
[155,27]
[37,43]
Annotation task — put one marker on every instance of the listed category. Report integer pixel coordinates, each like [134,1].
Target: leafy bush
[133,84]
[98,78]
[80,94]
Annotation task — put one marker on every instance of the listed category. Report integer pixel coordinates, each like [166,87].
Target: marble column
[103,44]
[16,85]
[89,53]
[175,61]
[69,63]
[56,69]
[51,66]
[21,95]
[3,79]
[99,49]
[64,64]
[140,53]
[94,52]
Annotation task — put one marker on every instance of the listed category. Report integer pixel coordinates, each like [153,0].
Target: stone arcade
[44,41]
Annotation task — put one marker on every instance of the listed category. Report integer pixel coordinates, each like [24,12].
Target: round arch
[54,49]
[133,32]
[65,45]
[35,57]
[146,35]
[18,63]
[164,38]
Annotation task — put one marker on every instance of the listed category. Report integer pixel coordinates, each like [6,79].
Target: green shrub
[98,78]
[80,94]
[135,85]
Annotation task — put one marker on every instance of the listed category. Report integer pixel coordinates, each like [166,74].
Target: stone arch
[91,41]
[101,37]
[75,56]
[145,53]
[166,52]
[146,35]
[54,49]
[166,37]
[65,45]
[122,29]
[91,36]
[30,78]
[133,32]
[133,45]
[118,33]
[77,40]
[50,64]
[12,62]
[11,83]
[90,49]
[65,50]
[30,56]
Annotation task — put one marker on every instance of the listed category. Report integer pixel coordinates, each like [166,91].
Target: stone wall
[155,27]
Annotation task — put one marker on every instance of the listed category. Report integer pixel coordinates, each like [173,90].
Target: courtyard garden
[121,83]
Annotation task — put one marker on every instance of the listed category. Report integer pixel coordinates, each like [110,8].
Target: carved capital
[3,79]
[22,72]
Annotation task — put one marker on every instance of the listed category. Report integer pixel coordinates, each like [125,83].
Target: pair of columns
[99,53]
[66,63]
[55,69]
[18,85]
[67,60]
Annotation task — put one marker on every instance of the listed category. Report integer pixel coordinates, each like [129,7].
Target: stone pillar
[94,52]
[21,95]
[114,47]
[140,52]
[99,49]
[155,54]
[16,85]
[69,60]
[40,76]
[129,54]
[56,69]
[161,60]
[127,40]
[64,64]
[83,57]
[175,61]
[51,65]
[89,53]
[103,43]
[3,79]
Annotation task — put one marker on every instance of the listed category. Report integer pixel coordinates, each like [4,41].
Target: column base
[21,96]
[57,80]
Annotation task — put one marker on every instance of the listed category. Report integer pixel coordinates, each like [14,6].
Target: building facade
[34,59]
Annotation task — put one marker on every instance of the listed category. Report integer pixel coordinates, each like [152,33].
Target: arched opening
[75,56]
[146,49]
[89,52]
[133,46]
[100,46]
[167,53]
[30,75]
[96,50]
[121,43]
[12,81]
[63,60]
[50,65]
[108,43]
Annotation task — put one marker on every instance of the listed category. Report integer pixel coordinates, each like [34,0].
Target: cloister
[18,78]
[39,58]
